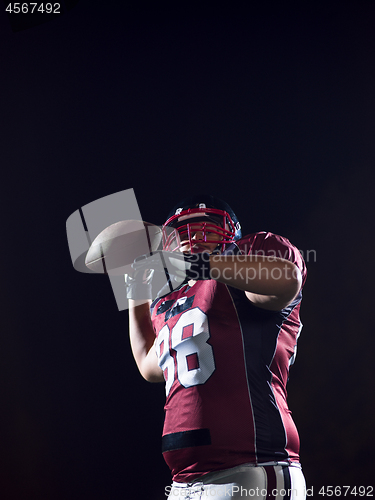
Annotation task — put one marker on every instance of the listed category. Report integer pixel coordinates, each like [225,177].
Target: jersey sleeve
[272,245]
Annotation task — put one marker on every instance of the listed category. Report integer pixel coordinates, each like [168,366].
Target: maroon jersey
[226,365]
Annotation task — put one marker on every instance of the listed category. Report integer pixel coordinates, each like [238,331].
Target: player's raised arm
[142,339]
[141,332]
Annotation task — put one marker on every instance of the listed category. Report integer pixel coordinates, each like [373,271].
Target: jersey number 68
[194,356]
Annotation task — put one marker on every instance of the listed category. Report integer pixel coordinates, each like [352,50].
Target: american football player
[221,335]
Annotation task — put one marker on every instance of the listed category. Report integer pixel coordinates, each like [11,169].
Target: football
[118,245]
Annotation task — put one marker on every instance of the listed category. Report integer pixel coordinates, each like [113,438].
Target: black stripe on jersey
[260,330]
[185,439]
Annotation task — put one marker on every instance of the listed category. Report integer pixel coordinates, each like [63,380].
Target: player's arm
[269,282]
[142,338]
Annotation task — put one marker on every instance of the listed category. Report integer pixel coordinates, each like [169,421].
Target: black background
[271,108]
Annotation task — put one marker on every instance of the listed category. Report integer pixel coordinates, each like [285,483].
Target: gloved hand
[181,265]
[139,284]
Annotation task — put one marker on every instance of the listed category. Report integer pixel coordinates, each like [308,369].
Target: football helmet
[204,215]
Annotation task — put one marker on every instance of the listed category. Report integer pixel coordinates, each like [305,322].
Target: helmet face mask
[199,227]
